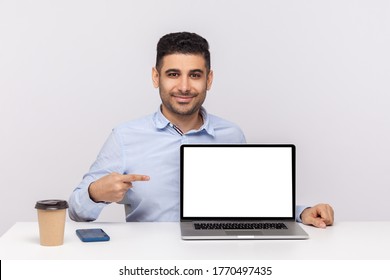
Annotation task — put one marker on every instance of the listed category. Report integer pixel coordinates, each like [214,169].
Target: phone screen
[92,235]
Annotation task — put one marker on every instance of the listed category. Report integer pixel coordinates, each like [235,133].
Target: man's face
[183,81]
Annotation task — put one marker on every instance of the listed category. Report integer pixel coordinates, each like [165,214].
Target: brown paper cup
[51,220]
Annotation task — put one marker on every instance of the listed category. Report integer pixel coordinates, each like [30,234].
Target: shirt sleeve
[298,210]
[110,159]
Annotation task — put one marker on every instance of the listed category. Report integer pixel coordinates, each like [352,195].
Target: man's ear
[210,77]
[155,77]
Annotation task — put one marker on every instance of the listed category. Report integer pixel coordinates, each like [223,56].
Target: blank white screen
[237,182]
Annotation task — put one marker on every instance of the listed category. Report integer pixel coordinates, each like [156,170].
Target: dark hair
[183,43]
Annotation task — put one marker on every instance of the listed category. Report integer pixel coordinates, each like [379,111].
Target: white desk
[344,240]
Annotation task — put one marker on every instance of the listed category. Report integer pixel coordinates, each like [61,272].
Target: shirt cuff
[298,211]
[82,208]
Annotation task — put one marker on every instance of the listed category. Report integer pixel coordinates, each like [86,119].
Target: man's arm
[110,159]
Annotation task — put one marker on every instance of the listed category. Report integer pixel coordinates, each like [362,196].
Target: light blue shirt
[148,146]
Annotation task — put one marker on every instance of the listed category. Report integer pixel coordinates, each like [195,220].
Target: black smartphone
[92,235]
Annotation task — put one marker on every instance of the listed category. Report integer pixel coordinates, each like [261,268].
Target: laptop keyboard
[241,225]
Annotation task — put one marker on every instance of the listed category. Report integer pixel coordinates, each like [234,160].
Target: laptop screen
[237,181]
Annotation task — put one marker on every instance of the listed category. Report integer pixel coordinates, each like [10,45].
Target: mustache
[184,94]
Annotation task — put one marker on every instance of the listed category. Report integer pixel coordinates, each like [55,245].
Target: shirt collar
[161,122]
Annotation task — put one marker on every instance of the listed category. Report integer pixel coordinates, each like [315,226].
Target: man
[138,165]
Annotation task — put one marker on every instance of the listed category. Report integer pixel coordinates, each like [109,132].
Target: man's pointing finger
[128,178]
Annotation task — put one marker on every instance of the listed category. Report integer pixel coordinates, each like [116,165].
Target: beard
[183,108]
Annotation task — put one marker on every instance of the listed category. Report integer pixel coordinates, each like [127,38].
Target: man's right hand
[113,187]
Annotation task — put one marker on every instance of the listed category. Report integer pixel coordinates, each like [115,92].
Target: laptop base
[294,231]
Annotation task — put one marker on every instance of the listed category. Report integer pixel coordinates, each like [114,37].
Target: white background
[312,73]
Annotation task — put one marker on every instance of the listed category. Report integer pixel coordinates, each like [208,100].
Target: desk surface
[148,241]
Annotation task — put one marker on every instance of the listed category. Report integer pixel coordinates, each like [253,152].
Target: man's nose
[184,84]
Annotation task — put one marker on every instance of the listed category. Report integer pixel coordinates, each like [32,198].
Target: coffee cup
[51,220]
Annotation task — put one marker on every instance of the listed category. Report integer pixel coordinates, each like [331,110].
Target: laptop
[238,191]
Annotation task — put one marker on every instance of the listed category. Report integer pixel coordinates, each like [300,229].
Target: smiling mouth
[183,98]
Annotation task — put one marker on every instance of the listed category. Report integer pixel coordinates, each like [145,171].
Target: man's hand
[320,215]
[113,187]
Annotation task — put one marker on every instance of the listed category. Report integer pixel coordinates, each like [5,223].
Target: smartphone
[92,235]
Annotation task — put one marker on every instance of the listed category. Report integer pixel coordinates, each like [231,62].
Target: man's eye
[195,76]
[173,75]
